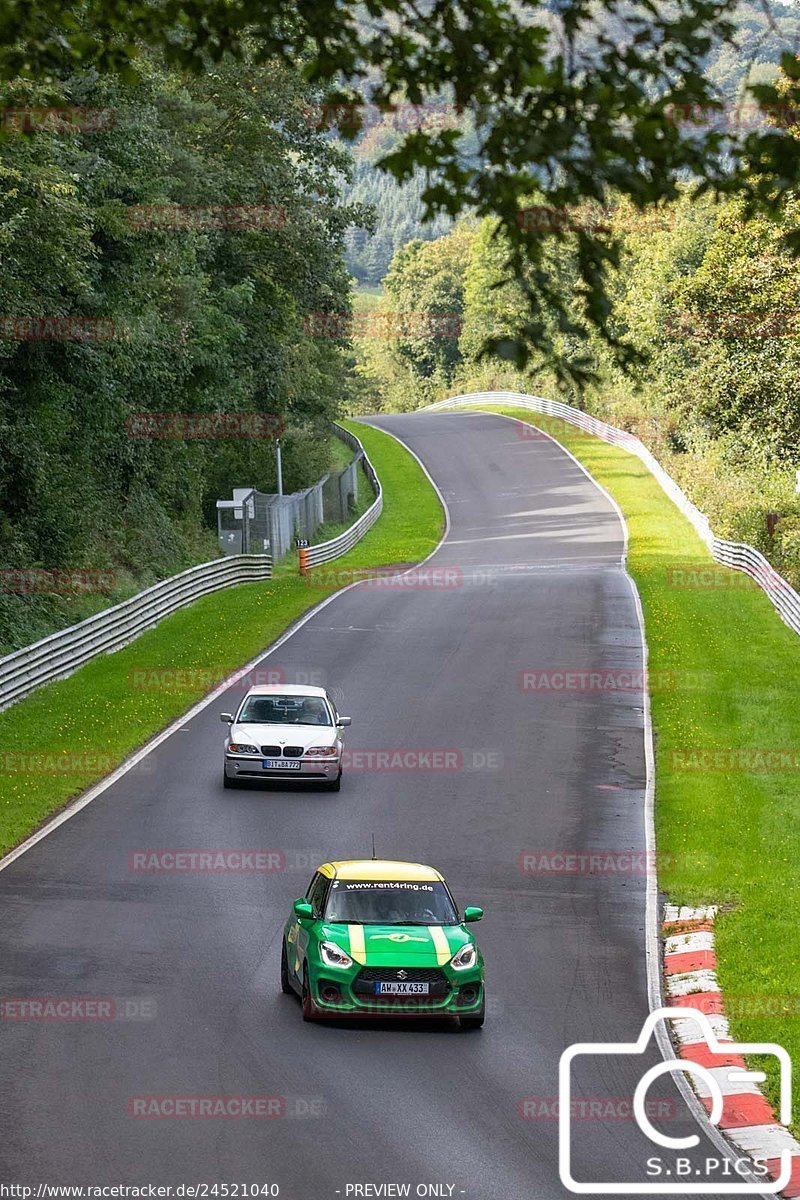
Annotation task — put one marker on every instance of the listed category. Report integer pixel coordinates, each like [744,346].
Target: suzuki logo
[402,974]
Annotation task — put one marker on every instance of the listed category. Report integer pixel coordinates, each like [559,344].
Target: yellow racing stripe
[356,936]
[440,944]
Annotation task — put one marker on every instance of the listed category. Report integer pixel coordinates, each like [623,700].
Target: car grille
[410,974]
[292,751]
[364,982]
[282,751]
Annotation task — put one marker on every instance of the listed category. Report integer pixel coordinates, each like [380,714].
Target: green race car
[384,938]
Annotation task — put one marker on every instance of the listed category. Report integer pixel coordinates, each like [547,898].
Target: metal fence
[278,520]
[736,555]
[58,655]
[325,552]
[260,522]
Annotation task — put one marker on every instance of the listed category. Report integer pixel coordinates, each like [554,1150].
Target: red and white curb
[748,1121]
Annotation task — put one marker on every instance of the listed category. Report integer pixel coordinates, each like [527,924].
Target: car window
[316,892]
[310,891]
[285,710]
[390,902]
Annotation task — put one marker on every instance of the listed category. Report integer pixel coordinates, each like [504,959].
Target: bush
[787,548]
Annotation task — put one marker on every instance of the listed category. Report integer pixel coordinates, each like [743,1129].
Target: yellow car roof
[381,868]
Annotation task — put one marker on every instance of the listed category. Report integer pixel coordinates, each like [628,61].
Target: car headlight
[322,751]
[464,958]
[242,748]
[334,956]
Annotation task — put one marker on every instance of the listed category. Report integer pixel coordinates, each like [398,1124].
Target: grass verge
[724,673]
[116,703]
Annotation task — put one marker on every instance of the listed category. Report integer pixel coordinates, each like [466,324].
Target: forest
[763,33]
[172,240]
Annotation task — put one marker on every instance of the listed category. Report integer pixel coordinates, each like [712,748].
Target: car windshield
[390,902]
[285,710]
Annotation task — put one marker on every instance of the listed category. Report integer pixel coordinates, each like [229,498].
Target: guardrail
[323,552]
[59,654]
[737,555]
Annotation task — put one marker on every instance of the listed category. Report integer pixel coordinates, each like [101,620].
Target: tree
[202,317]
[564,103]
[425,285]
[494,307]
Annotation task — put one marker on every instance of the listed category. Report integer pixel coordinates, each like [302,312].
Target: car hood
[397,945]
[288,735]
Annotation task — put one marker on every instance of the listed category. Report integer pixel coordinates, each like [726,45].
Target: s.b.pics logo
[718,1074]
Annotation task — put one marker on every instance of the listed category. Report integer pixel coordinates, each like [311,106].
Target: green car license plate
[402,989]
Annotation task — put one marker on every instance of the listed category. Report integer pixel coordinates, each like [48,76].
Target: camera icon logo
[711,1081]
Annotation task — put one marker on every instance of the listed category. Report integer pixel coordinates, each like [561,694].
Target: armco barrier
[61,653]
[731,554]
[315,556]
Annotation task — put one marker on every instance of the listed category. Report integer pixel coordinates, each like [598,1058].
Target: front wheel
[286,986]
[309,1007]
[228,783]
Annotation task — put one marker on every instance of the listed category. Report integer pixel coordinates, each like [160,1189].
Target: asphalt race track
[534,583]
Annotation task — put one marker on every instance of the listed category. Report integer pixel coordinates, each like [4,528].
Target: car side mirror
[473,914]
[342,721]
[226,718]
[303,910]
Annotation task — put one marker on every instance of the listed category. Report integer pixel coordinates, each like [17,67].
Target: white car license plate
[281,764]
[402,989]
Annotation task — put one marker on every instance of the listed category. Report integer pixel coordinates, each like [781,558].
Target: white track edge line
[97,789]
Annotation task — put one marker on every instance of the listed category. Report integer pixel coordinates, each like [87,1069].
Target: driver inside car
[312,713]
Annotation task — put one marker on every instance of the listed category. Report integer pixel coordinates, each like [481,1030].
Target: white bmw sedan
[285,732]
